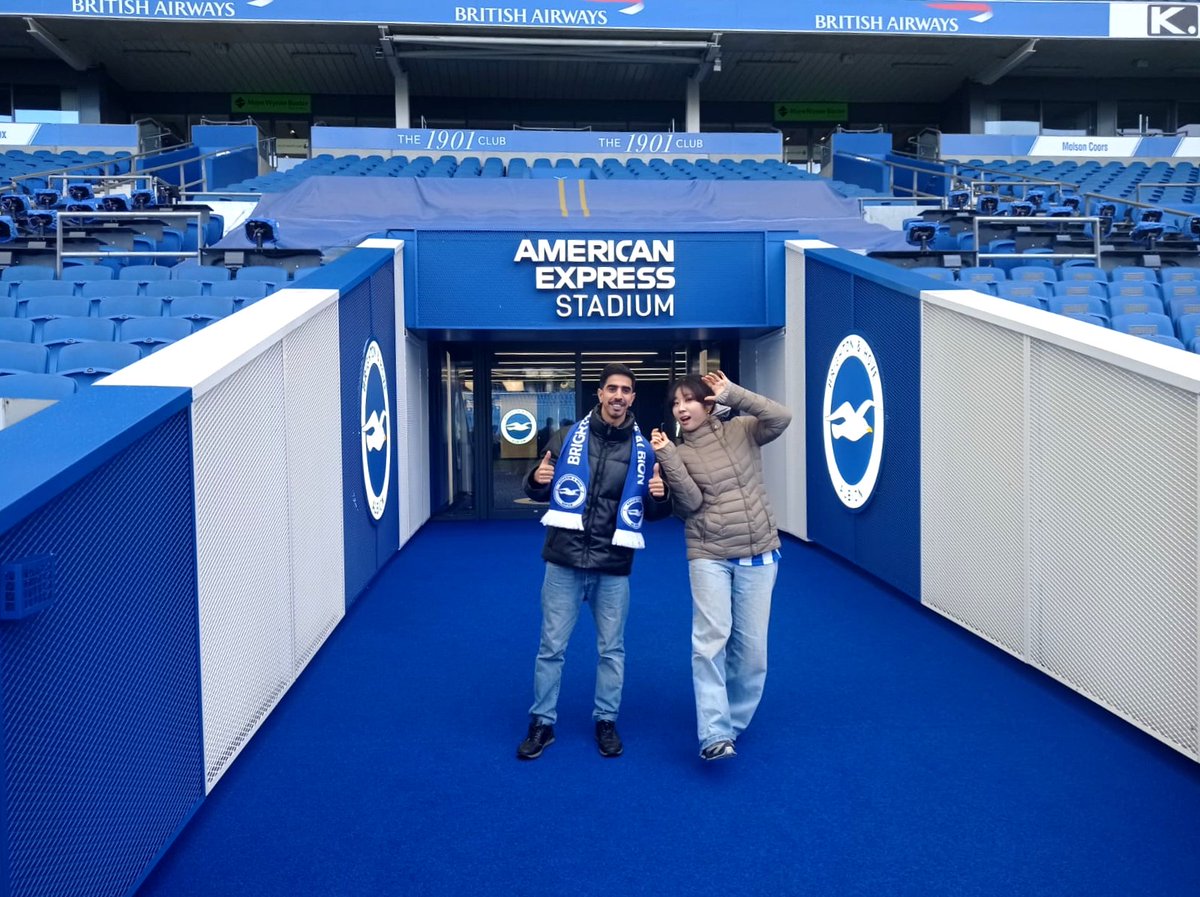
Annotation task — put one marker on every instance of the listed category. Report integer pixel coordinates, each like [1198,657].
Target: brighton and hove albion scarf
[572,476]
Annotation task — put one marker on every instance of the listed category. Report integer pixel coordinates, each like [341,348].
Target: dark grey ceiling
[344,59]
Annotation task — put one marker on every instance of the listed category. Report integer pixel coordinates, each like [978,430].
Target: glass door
[533,395]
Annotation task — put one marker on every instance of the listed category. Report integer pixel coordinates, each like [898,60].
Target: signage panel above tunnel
[571,281]
[999,18]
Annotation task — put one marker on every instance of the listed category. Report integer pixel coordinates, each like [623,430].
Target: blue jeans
[563,591]
[731,608]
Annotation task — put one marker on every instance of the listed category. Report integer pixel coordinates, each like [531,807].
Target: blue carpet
[894,754]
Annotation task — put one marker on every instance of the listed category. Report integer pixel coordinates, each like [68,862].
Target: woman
[716,478]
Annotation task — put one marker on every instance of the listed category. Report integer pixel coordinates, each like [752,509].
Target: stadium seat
[1187,327]
[17,330]
[30,289]
[121,308]
[107,289]
[1172,275]
[36,386]
[144,273]
[202,274]
[21,357]
[1137,303]
[241,292]
[1072,288]
[151,334]
[41,309]
[978,276]
[1143,324]
[1032,293]
[14,275]
[1172,341]
[66,331]
[201,310]
[265,273]
[1087,318]
[173,289]
[85,363]
[1078,305]
[1133,272]
[936,273]
[1036,273]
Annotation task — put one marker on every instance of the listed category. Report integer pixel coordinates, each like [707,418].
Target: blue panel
[488,280]
[366,311]
[61,444]
[100,692]
[845,295]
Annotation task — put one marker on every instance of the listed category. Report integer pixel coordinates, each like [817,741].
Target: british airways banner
[1010,18]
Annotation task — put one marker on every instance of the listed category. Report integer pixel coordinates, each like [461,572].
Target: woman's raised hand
[716,381]
[658,440]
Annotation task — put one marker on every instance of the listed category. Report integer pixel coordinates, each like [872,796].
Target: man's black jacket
[609,452]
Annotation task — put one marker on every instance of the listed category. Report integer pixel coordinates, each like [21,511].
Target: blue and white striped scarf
[572,477]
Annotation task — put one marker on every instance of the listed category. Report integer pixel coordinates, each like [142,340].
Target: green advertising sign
[812,112]
[282,103]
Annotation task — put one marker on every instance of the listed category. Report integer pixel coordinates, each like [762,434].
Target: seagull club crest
[852,421]
[375,422]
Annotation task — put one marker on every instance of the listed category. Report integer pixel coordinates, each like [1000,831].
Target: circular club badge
[852,422]
[375,419]
[518,427]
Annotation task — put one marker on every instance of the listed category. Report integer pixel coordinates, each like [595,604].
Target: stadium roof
[168,56]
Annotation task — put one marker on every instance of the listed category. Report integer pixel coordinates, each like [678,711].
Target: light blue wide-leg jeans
[564,590]
[731,610]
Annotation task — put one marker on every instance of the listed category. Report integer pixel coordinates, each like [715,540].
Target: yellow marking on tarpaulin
[562,197]
[583,199]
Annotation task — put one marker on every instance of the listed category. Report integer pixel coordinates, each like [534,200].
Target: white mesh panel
[972,475]
[240,461]
[314,453]
[1113,554]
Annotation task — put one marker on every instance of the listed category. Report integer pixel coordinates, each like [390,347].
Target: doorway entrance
[496,408]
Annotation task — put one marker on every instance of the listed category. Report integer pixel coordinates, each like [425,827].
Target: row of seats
[1166,182]
[1069,271]
[27,281]
[19,163]
[84,362]
[541,168]
[149,332]
[41,311]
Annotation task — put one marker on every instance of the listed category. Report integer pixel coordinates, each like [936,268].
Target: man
[601,481]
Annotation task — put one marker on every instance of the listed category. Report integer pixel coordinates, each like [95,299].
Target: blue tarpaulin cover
[327,212]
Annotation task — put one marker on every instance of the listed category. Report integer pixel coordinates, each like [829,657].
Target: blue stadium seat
[1143,325]
[1078,305]
[204,274]
[36,386]
[17,330]
[85,363]
[1133,272]
[66,331]
[21,357]
[202,310]
[1135,303]
[173,289]
[144,273]
[151,334]
[266,273]
[8,305]
[1172,341]
[14,275]
[41,309]
[1172,275]
[1086,271]
[1085,317]
[81,274]
[241,292]
[977,277]
[936,273]
[121,308]
[1187,327]
[107,289]
[1079,288]
[30,289]
[1036,273]
[1027,292]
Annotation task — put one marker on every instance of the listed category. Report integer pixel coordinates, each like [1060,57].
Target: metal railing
[1039,219]
[200,216]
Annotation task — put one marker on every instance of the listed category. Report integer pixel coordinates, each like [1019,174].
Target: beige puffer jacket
[716,478]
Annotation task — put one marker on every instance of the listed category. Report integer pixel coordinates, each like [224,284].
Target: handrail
[1095,222]
[201,216]
[892,165]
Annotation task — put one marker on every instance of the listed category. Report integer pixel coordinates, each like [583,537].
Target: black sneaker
[720,750]
[541,736]
[608,739]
